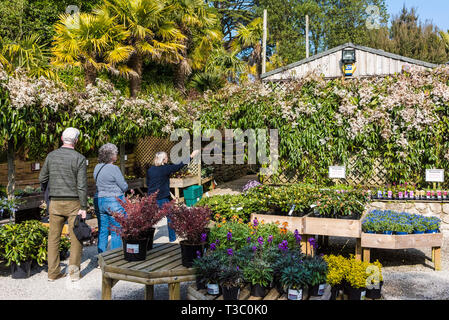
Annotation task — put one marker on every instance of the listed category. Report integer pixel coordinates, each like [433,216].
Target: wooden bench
[162,265]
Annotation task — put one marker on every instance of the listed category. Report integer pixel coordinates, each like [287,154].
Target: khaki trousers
[61,211]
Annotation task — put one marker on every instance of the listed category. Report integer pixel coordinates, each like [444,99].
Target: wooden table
[162,265]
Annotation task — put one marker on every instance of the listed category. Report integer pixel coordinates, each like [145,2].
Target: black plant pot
[375,293]
[21,271]
[335,291]
[135,250]
[150,235]
[356,293]
[230,293]
[258,291]
[63,255]
[317,290]
[189,252]
[200,283]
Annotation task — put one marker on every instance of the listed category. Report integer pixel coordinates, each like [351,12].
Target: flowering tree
[32,111]
[399,120]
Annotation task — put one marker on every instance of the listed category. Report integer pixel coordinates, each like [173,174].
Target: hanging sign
[337,172]
[434,175]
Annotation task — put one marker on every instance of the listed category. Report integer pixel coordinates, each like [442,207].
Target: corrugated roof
[350,45]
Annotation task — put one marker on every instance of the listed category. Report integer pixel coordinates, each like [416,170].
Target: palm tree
[225,63]
[249,37]
[151,34]
[93,42]
[27,54]
[199,25]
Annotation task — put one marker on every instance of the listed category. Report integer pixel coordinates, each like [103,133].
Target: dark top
[65,172]
[158,178]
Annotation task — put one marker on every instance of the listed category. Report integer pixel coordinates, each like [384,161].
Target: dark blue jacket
[158,178]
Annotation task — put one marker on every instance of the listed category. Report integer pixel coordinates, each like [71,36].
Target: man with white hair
[65,172]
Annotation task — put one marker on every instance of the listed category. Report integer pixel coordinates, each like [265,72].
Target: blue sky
[435,10]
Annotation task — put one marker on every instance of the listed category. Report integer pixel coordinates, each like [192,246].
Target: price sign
[337,172]
[434,175]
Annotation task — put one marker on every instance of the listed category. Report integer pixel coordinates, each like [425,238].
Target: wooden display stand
[245,294]
[396,242]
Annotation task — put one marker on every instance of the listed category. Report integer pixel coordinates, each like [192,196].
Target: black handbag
[81,229]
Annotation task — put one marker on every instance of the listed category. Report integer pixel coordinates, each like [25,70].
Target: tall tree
[92,42]
[232,13]
[152,34]
[248,39]
[199,25]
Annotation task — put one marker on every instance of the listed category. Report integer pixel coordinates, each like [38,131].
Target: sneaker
[74,273]
[61,275]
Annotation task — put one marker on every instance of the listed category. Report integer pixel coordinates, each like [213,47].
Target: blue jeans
[171,232]
[106,221]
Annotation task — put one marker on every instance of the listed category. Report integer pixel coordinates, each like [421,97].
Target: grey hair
[106,153]
[70,136]
[159,158]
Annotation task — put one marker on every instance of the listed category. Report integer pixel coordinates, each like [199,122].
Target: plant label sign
[434,175]
[336,172]
[132,248]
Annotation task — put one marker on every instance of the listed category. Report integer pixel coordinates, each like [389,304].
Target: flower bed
[400,223]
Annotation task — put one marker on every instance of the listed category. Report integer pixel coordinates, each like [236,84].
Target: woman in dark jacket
[158,179]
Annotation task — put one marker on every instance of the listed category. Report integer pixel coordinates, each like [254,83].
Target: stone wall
[427,208]
[228,172]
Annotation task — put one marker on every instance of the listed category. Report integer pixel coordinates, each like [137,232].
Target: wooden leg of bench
[304,244]
[326,241]
[366,254]
[106,288]
[437,257]
[149,292]
[358,249]
[174,291]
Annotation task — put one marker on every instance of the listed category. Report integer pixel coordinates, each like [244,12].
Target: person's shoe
[74,273]
[59,276]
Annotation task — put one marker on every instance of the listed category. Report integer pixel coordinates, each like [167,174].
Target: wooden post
[264,42]
[304,244]
[122,158]
[307,37]
[106,288]
[174,291]
[366,254]
[11,169]
[437,257]
[149,292]
[358,249]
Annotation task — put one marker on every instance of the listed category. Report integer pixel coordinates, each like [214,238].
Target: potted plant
[283,260]
[190,224]
[337,269]
[230,278]
[432,224]
[318,269]
[402,228]
[137,225]
[374,282]
[259,274]
[23,244]
[294,280]
[207,268]
[356,278]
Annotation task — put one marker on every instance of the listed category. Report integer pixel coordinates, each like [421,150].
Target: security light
[348,56]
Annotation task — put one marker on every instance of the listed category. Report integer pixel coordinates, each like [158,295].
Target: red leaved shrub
[189,223]
[142,213]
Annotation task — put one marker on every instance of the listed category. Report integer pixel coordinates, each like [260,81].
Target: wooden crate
[293,223]
[245,294]
[332,227]
[382,241]
[185,182]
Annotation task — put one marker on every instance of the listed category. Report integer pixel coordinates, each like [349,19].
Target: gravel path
[408,274]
